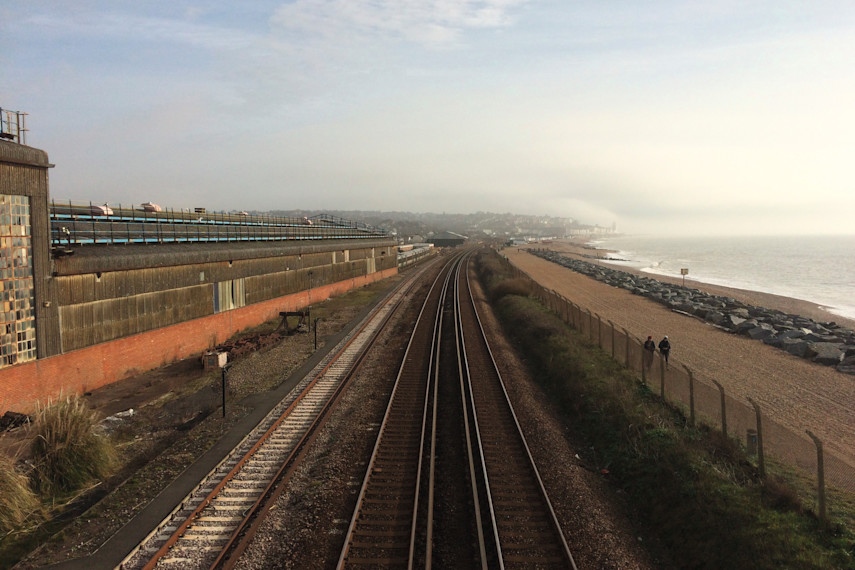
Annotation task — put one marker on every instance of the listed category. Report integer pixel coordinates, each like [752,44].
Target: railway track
[382,532]
[210,526]
[451,481]
[524,531]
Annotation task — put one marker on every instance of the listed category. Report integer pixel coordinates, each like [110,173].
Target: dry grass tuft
[67,448]
[18,503]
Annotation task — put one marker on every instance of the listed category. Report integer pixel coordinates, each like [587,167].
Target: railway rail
[383,530]
[209,528]
[450,481]
[406,486]
[525,533]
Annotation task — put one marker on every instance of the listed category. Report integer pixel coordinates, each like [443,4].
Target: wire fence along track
[525,530]
[704,400]
[75,224]
[213,515]
[392,525]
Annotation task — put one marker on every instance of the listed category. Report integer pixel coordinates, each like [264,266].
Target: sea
[819,269]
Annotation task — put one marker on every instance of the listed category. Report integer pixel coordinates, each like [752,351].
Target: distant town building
[447,239]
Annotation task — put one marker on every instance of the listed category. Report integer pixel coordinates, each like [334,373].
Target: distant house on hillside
[447,239]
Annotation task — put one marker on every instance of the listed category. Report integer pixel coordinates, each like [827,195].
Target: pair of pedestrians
[650,349]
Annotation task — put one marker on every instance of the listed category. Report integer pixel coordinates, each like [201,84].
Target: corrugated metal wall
[89,323]
[102,306]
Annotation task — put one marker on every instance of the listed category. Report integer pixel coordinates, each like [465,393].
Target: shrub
[517,286]
[67,449]
[18,503]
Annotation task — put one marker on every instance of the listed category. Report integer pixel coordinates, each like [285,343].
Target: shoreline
[577,247]
[795,393]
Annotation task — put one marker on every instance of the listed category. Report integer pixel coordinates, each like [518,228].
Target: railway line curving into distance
[450,480]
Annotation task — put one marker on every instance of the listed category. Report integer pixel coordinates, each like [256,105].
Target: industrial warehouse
[95,294]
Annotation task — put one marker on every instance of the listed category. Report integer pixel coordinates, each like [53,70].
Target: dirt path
[796,393]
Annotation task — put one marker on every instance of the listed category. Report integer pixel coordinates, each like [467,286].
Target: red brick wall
[22,386]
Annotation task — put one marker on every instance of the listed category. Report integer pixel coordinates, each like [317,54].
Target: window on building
[229,295]
[17,312]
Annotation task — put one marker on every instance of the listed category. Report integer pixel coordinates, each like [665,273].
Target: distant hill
[409,226]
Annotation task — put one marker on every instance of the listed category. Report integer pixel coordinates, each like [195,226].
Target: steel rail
[469,428]
[433,403]
[393,475]
[370,323]
[565,559]
[247,528]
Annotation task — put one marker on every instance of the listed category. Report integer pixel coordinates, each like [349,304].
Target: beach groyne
[825,343]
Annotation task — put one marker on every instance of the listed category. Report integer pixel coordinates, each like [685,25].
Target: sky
[661,117]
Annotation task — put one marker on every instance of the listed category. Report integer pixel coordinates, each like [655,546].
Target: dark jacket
[664,345]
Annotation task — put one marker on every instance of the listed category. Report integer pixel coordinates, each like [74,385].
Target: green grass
[694,494]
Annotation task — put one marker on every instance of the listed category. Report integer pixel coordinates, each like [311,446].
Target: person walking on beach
[665,348]
[649,349]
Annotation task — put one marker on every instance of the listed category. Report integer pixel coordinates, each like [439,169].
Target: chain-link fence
[826,480]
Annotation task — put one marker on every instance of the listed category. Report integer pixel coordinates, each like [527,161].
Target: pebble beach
[797,394]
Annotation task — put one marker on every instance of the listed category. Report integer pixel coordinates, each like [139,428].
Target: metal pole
[611,324]
[626,332]
[723,409]
[225,369]
[691,395]
[316,333]
[643,367]
[820,476]
[760,459]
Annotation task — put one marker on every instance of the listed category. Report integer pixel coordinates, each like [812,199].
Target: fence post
[661,376]
[599,332]
[691,395]
[612,325]
[590,324]
[626,332]
[761,463]
[820,476]
[723,408]
[643,367]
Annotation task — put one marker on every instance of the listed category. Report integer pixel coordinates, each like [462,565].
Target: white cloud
[666,115]
[429,22]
